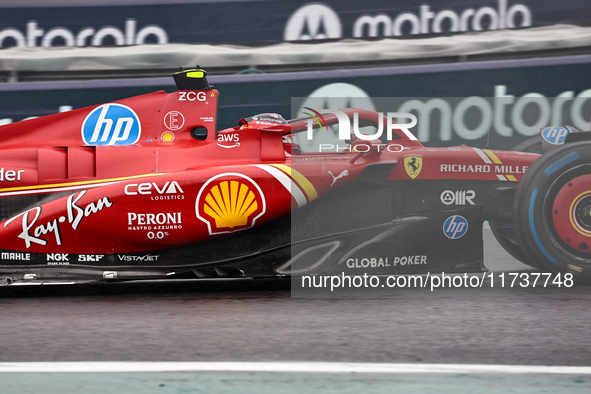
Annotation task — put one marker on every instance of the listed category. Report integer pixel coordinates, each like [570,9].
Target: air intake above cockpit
[192,79]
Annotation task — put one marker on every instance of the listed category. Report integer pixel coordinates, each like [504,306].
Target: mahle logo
[314,21]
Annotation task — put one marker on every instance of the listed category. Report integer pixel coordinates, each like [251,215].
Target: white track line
[286,367]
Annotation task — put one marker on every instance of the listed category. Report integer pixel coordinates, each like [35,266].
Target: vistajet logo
[316,21]
[34,35]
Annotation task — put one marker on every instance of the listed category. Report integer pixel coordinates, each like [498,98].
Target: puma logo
[341,175]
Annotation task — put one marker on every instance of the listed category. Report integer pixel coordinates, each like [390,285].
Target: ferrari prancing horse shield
[413,165]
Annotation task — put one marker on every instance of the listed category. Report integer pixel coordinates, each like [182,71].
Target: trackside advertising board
[449,101]
[207,21]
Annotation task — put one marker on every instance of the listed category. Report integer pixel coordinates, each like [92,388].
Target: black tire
[504,232]
[552,210]
[530,145]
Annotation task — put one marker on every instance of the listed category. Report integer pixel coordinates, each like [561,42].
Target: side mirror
[199,133]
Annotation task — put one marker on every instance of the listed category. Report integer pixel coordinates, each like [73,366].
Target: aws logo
[314,21]
[228,140]
[230,202]
[111,124]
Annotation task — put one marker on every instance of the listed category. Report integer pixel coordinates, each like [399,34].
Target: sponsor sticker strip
[61,187]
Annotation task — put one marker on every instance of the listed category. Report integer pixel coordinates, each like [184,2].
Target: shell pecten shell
[230,204]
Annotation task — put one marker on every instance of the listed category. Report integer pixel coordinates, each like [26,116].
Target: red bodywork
[168,188]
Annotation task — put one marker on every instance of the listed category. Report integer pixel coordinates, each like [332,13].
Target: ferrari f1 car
[147,188]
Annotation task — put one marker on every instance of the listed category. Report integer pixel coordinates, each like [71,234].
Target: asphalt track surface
[262,322]
[238,321]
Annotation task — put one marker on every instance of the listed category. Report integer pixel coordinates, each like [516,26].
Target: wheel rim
[571,215]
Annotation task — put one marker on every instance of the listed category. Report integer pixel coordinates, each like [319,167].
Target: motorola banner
[235,21]
[496,104]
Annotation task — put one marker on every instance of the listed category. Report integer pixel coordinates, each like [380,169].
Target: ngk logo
[57,257]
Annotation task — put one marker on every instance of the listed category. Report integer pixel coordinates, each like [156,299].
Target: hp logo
[455,227]
[111,124]
[556,135]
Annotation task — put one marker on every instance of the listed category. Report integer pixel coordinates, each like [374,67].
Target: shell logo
[167,136]
[230,202]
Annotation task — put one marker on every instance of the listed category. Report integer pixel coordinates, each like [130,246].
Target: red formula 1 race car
[147,188]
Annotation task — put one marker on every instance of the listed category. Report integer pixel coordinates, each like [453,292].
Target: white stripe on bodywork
[483,155]
[56,189]
[501,177]
[287,182]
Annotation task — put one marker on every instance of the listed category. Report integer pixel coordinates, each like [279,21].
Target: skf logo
[192,96]
[230,202]
[413,165]
[111,124]
[314,21]
[90,257]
